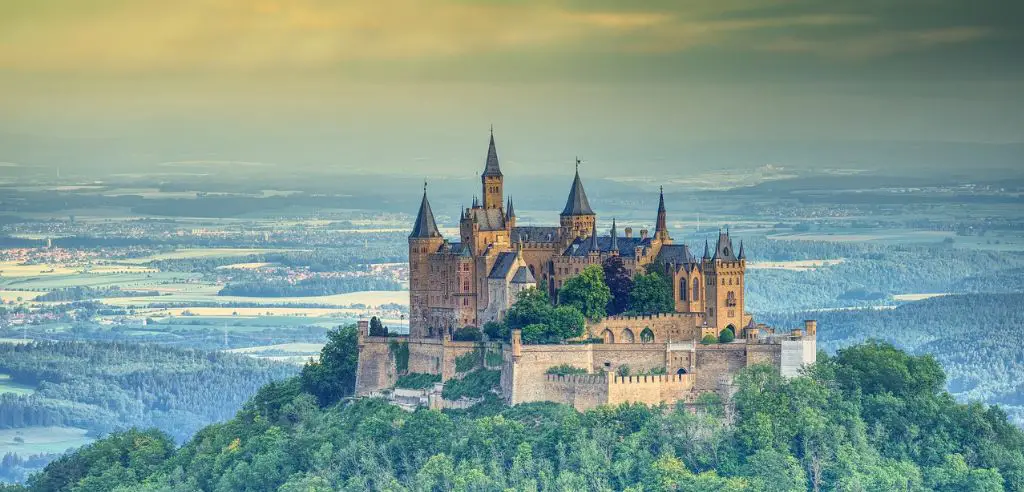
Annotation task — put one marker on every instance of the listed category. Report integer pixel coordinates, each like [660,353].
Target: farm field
[794,265]
[189,253]
[369,298]
[880,235]
[35,440]
[8,386]
[13,295]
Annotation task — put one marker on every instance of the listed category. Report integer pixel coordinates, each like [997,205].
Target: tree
[651,294]
[567,322]
[708,340]
[376,328]
[333,376]
[726,336]
[619,284]
[467,334]
[532,306]
[587,292]
[496,330]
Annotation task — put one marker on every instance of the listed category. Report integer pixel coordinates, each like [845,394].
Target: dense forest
[107,387]
[976,338]
[869,418]
[314,286]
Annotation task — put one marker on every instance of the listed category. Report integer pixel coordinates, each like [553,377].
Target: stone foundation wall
[376,366]
[640,357]
[582,391]
[668,327]
[426,356]
[650,390]
[528,372]
[764,354]
[714,361]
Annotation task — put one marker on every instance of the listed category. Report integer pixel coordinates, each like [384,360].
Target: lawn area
[34,440]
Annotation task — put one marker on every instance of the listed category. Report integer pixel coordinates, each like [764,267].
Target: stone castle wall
[586,391]
[667,327]
[376,367]
[715,361]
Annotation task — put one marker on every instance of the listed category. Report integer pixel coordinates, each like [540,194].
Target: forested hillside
[108,387]
[869,418]
[975,337]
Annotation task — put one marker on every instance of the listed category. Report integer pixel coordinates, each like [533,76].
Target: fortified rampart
[586,391]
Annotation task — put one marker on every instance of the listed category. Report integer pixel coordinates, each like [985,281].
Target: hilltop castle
[476,279]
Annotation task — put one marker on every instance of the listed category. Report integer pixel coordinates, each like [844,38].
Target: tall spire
[660,228]
[742,255]
[509,210]
[615,237]
[425,226]
[577,203]
[491,168]
[594,247]
[707,252]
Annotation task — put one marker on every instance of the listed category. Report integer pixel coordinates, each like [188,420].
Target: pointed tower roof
[707,250]
[615,237]
[723,249]
[594,247]
[509,211]
[491,168]
[742,255]
[577,204]
[660,228]
[425,226]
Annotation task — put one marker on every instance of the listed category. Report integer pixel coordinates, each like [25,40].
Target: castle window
[682,289]
[730,299]
[647,336]
[696,290]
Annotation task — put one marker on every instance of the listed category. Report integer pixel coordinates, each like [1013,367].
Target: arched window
[682,289]
[627,336]
[696,289]
[681,371]
[647,336]
[730,299]
[607,336]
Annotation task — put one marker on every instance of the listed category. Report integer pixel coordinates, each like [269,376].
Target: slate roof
[723,249]
[502,267]
[539,234]
[491,168]
[489,219]
[577,203]
[424,226]
[676,253]
[627,246]
[523,276]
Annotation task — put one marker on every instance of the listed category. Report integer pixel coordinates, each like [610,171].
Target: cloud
[879,44]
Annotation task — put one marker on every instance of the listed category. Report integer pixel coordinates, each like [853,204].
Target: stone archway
[627,336]
[608,336]
[647,336]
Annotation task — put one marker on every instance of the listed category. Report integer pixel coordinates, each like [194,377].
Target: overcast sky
[412,86]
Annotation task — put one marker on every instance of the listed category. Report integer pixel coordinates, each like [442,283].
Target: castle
[476,279]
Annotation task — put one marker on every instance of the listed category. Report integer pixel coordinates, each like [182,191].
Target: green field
[35,440]
[8,386]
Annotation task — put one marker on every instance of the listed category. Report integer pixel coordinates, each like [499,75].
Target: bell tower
[491,179]
[577,218]
[424,240]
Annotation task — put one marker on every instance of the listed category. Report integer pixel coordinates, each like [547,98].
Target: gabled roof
[537,234]
[577,203]
[503,265]
[523,276]
[678,254]
[491,168]
[627,246]
[424,226]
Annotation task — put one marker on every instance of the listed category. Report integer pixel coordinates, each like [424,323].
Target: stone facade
[476,279]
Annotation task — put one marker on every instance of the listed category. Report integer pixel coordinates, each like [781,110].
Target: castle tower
[424,240]
[577,218]
[491,179]
[725,273]
[661,228]
[510,215]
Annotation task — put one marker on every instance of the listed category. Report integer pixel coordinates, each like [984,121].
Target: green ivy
[565,369]
[494,358]
[400,350]
[469,361]
[473,385]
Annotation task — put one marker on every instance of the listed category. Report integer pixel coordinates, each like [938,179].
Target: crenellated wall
[665,328]
[586,391]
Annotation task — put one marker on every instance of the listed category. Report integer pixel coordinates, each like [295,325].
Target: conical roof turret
[615,237]
[577,203]
[594,247]
[425,226]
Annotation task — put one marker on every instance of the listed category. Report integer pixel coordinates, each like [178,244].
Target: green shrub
[417,380]
[467,334]
[726,336]
[623,370]
[468,361]
[494,358]
[708,340]
[473,385]
[496,330]
[565,369]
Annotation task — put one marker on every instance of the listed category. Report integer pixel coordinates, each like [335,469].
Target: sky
[412,86]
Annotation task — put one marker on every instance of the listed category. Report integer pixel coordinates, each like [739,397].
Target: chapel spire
[615,237]
[491,180]
[660,227]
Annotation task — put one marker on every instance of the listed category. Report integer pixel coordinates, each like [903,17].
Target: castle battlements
[476,278]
